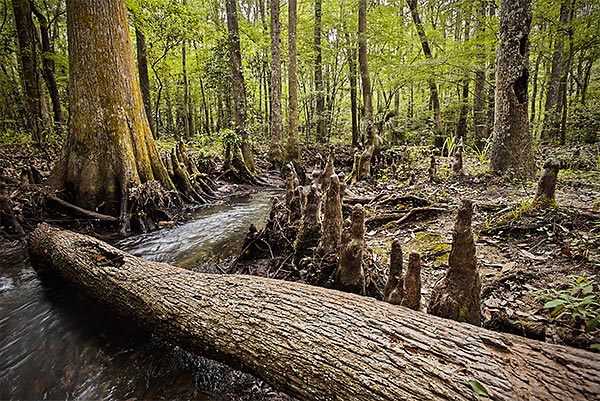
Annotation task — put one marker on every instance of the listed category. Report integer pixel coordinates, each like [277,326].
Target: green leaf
[592,325]
[554,303]
[595,347]
[478,388]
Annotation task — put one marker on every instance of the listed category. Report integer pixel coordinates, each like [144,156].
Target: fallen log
[315,343]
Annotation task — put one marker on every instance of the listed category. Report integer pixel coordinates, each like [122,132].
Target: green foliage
[478,388]
[579,302]
[449,145]
[482,154]
[585,123]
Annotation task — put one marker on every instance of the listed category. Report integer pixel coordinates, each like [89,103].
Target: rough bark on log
[544,195]
[315,343]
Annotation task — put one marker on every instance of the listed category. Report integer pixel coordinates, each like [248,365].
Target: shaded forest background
[183,60]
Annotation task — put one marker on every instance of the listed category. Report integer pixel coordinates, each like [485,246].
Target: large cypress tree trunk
[109,145]
[512,151]
[240,117]
[276,147]
[293,144]
[38,118]
[314,343]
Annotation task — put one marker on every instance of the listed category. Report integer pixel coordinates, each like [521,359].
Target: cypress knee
[393,291]
[457,296]
[350,276]
[544,195]
[412,282]
[332,217]
[310,228]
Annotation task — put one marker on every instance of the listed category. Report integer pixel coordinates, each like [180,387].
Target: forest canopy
[190,93]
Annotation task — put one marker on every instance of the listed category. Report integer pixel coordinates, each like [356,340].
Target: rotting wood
[314,343]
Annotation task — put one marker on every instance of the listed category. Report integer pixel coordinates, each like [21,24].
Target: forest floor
[523,253]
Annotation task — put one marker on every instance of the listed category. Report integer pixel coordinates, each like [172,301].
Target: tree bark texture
[320,95]
[512,151]
[332,217]
[293,145]
[393,291]
[352,78]
[276,148]
[142,64]
[38,118]
[240,113]
[314,343]
[364,167]
[350,275]
[109,145]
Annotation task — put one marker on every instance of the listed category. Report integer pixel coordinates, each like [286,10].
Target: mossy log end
[315,343]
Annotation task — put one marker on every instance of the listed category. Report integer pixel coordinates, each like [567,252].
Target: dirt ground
[519,250]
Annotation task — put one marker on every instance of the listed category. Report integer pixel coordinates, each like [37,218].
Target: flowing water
[55,344]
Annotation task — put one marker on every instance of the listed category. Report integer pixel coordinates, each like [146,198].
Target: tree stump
[393,292]
[412,282]
[457,295]
[457,161]
[544,195]
[332,217]
[350,276]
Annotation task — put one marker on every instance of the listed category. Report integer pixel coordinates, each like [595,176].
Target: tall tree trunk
[38,118]
[479,120]
[314,343]
[293,143]
[109,146]
[320,95]
[552,110]
[48,65]
[461,127]
[352,77]
[364,167]
[240,118]
[185,107]
[563,104]
[142,64]
[512,151]
[276,148]
[534,91]
[434,96]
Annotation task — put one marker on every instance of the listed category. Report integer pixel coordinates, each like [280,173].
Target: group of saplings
[328,250]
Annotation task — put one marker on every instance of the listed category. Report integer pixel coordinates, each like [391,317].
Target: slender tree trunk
[48,65]
[364,168]
[563,104]
[142,64]
[320,96]
[293,144]
[38,118]
[352,77]
[240,117]
[314,343]
[185,115]
[276,148]
[534,91]
[479,121]
[435,99]
[109,146]
[552,111]
[512,151]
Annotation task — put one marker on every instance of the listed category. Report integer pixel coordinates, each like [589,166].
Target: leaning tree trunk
[109,145]
[512,151]
[315,343]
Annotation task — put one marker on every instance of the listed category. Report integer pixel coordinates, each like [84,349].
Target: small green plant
[449,145]
[482,154]
[579,302]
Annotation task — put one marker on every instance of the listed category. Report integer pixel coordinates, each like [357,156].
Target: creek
[55,344]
